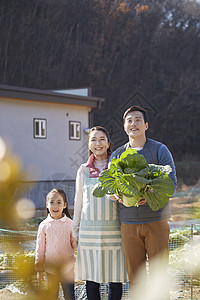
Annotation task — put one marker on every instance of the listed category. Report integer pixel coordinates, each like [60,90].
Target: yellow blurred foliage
[11,178]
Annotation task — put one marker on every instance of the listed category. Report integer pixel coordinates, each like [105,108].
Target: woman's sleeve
[78,202]
[40,249]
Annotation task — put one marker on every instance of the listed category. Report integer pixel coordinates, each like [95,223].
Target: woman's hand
[75,243]
[116,197]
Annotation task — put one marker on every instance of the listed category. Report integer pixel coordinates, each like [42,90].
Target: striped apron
[100,256]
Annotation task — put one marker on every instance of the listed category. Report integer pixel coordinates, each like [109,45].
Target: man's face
[134,124]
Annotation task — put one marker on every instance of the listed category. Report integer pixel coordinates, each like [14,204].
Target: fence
[184,280]
[37,190]
[184,263]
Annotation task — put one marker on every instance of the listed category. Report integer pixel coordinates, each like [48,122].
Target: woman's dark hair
[61,193]
[104,130]
[136,108]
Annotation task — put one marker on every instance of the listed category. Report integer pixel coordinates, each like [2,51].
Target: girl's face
[98,144]
[55,205]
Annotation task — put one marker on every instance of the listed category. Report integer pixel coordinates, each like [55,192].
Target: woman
[100,256]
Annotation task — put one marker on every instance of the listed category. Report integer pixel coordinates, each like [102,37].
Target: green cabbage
[133,178]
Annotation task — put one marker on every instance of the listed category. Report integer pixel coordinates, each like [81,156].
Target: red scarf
[94,172]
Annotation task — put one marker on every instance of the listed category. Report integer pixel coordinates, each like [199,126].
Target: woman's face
[98,144]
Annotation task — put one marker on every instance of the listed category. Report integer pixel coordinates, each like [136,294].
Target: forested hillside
[129,52]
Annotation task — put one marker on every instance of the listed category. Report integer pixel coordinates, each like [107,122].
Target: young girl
[100,257]
[55,246]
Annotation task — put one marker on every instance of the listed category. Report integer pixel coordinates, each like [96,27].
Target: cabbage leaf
[133,178]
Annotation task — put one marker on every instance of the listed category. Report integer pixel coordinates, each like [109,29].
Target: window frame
[40,136]
[71,137]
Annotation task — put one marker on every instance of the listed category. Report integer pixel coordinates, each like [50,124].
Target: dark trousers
[68,290]
[114,290]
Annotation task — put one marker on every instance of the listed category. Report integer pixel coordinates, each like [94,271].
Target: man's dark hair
[136,108]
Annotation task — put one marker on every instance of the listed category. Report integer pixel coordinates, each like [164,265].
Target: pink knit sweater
[55,247]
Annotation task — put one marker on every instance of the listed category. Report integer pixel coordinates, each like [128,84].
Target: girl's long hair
[63,195]
[104,130]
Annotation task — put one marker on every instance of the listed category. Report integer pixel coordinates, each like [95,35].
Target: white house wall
[56,157]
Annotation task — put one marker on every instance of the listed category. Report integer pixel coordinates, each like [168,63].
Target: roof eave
[48,96]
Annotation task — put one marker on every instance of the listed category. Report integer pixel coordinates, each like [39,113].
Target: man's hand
[116,197]
[142,201]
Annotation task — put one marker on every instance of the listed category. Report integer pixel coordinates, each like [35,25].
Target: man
[144,231]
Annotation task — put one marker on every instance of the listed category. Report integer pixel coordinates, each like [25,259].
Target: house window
[74,130]
[40,128]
